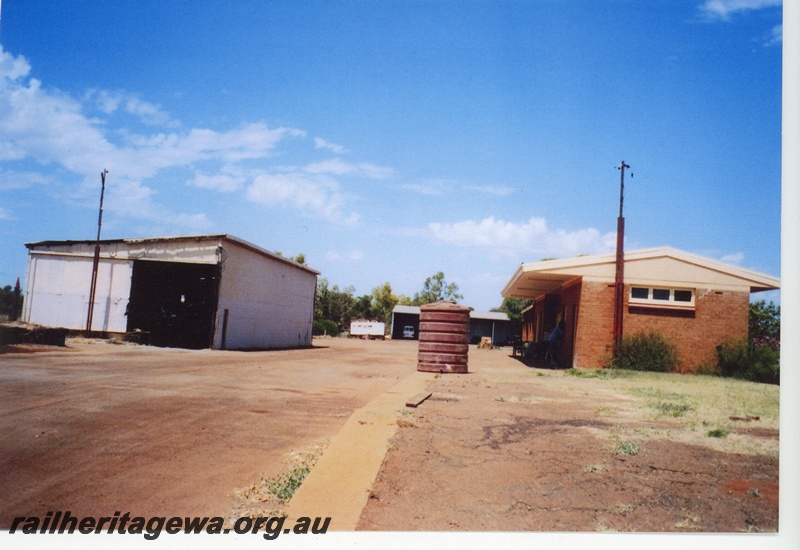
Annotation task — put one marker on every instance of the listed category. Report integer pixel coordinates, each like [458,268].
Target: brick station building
[694,302]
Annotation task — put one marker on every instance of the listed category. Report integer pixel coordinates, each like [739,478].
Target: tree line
[10,303]
[335,308]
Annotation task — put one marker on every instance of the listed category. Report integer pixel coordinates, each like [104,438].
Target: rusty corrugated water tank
[443,338]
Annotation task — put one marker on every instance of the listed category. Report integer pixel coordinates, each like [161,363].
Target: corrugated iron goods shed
[206,291]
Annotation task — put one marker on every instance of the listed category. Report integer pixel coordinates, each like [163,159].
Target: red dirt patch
[491,451]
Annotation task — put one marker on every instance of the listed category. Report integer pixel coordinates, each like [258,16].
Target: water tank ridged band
[443,338]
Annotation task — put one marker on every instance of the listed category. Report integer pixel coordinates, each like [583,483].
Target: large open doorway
[174,303]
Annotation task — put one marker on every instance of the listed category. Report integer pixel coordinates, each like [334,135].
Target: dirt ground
[96,428]
[513,448]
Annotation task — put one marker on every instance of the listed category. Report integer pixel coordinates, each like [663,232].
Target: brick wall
[718,316]
[594,338]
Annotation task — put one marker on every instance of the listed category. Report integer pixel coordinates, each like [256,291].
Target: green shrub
[756,360]
[626,448]
[708,369]
[324,326]
[646,351]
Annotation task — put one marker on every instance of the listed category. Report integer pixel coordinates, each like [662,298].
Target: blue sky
[388,141]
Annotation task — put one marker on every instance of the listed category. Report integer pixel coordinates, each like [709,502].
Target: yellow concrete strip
[339,484]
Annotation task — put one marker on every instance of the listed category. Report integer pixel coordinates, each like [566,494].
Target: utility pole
[96,263]
[619,275]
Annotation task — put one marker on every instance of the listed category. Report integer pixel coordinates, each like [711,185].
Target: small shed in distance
[402,317]
[207,291]
[495,324]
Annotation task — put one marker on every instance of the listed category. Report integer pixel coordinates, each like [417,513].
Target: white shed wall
[58,292]
[270,303]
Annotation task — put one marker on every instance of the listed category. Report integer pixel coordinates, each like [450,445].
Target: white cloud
[498,190]
[340,168]
[774,37]
[530,240]
[47,127]
[22,180]
[431,187]
[251,141]
[53,129]
[436,187]
[13,68]
[723,9]
[5,214]
[320,143]
[148,112]
[352,256]
[316,195]
[109,102]
[224,182]
[105,101]
[194,221]
[735,258]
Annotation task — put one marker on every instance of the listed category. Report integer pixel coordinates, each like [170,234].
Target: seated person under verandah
[554,343]
[534,351]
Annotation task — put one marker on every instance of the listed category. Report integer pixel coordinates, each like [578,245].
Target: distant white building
[208,291]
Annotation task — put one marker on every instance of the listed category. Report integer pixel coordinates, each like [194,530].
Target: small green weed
[626,448]
[580,373]
[602,374]
[719,432]
[657,394]
[284,485]
[269,495]
[674,409]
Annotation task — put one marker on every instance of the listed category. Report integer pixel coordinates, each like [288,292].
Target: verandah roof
[663,266]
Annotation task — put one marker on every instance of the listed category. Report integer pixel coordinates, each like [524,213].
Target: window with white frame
[676,298]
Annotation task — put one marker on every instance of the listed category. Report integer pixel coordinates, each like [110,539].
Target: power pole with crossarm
[619,275]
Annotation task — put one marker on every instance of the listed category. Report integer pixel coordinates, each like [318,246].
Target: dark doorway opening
[405,326]
[174,303]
